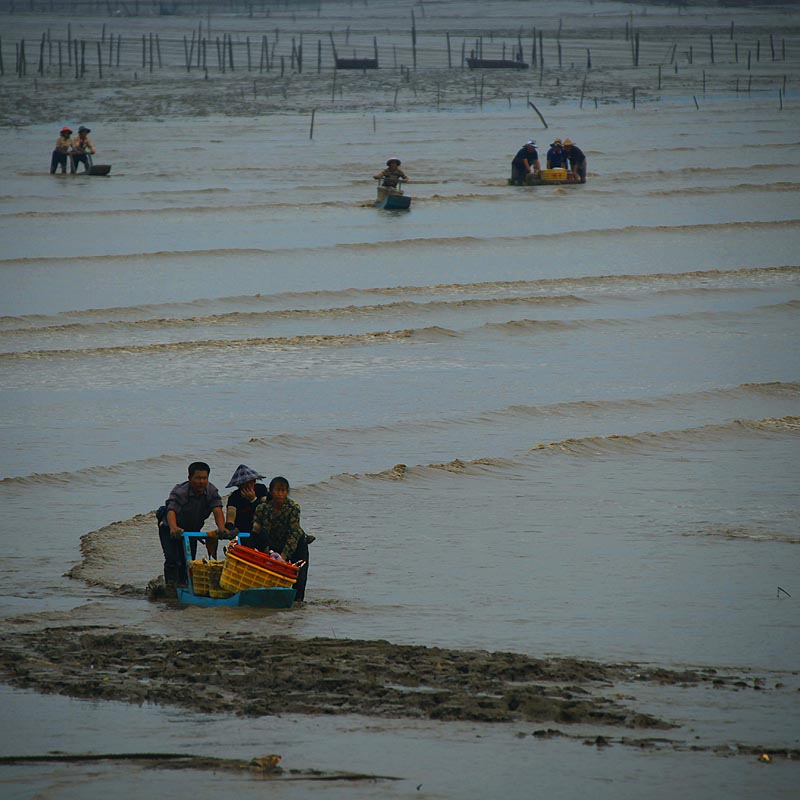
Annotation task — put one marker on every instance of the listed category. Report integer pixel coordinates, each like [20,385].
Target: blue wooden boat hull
[395,201]
[262,598]
[276,597]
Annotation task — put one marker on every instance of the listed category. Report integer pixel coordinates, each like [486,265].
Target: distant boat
[391,198]
[496,63]
[550,177]
[356,63]
[97,169]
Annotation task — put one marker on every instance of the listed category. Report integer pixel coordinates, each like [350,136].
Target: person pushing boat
[524,163]
[392,175]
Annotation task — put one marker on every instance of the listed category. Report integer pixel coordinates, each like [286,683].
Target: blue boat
[263,598]
[392,198]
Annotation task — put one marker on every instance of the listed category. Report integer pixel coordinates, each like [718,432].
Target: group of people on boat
[560,155]
[265,512]
[76,151]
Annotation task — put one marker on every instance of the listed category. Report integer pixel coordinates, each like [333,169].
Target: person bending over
[525,162]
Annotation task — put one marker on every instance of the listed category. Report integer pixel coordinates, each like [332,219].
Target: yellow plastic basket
[556,174]
[198,572]
[214,589]
[238,575]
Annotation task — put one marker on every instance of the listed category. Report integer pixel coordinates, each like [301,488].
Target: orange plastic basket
[238,575]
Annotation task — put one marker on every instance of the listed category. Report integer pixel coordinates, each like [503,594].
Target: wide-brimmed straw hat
[242,475]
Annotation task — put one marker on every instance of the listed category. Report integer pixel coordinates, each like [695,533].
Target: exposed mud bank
[257,676]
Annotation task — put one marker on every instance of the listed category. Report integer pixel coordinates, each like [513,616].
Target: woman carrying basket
[276,529]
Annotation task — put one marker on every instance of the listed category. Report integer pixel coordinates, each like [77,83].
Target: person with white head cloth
[524,163]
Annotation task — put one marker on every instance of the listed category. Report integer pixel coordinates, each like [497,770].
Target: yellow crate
[238,575]
[557,174]
[198,572]
[214,572]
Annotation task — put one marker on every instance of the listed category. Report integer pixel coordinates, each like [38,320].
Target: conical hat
[242,475]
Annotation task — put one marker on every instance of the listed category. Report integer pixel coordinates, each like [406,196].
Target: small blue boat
[263,598]
[392,198]
[395,201]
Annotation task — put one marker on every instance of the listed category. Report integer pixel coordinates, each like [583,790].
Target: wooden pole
[99,62]
[414,38]
[539,113]
[449,59]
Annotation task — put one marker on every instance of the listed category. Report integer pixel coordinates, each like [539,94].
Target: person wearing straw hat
[525,162]
[243,502]
[392,174]
[80,147]
[556,157]
[577,160]
[62,148]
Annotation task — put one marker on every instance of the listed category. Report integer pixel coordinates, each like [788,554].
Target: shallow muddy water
[551,420]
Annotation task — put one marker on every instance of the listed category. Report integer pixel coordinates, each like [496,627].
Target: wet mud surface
[267,766]
[252,675]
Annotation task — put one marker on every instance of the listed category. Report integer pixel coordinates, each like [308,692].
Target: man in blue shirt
[556,157]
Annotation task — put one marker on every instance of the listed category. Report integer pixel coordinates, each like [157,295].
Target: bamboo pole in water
[413,39]
[539,113]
